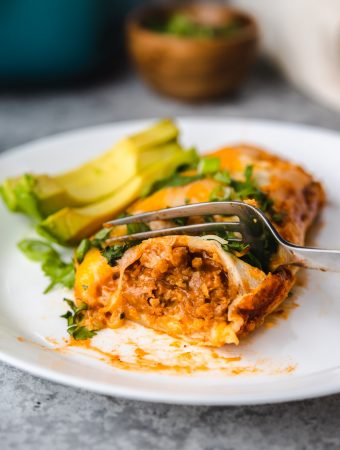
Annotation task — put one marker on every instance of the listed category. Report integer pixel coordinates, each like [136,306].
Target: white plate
[308,341]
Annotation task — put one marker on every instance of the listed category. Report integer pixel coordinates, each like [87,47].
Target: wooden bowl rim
[249,32]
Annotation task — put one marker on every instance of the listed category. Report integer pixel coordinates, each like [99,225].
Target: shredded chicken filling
[183,284]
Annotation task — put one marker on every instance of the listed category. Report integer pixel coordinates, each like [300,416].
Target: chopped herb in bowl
[182,25]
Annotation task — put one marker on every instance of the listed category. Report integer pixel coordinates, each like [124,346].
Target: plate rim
[154,397]
[137,394]
[106,125]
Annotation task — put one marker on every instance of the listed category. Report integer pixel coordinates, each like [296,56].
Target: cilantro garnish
[58,271]
[98,241]
[223,177]
[235,247]
[252,260]
[278,217]
[177,179]
[208,164]
[248,189]
[138,227]
[101,237]
[243,251]
[114,252]
[74,319]
[239,249]
[221,194]
[180,221]
[232,189]
[182,25]
[209,219]
[82,249]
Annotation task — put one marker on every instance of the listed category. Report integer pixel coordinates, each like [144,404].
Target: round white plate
[297,358]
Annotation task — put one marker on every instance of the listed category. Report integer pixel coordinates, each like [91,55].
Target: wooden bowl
[192,68]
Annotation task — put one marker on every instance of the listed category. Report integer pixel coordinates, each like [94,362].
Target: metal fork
[253,227]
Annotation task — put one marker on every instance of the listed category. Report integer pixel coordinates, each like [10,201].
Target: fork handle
[313,258]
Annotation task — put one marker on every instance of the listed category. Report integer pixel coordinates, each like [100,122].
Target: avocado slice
[17,195]
[69,225]
[8,194]
[100,177]
[41,195]
[33,195]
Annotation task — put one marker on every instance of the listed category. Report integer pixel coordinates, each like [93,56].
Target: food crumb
[140,352]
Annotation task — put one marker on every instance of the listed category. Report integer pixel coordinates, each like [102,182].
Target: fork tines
[197,209]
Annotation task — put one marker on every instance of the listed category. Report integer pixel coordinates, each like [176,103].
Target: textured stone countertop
[38,414]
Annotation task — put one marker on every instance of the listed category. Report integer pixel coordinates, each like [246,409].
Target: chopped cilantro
[235,247]
[37,250]
[175,180]
[248,189]
[58,271]
[251,259]
[181,24]
[242,251]
[208,165]
[114,252]
[221,194]
[239,190]
[82,333]
[101,237]
[180,221]
[98,241]
[82,249]
[138,227]
[111,253]
[74,319]
[239,249]
[278,217]
[209,219]
[223,177]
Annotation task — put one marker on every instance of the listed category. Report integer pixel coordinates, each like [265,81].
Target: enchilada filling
[182,285]
[185,286]
[157,285]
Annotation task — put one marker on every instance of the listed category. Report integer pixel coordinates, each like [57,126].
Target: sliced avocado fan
[69,225]
[38,196]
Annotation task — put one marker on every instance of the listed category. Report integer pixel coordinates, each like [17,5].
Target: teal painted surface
[58,38]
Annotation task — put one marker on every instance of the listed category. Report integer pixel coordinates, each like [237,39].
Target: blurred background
[68,64]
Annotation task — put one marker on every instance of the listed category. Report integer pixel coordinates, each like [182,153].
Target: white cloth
[303,38]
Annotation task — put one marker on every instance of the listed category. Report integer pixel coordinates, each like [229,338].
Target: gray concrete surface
[37,414]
